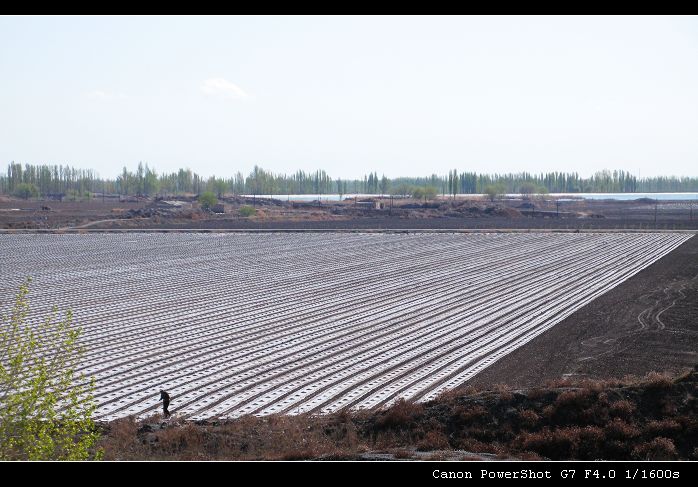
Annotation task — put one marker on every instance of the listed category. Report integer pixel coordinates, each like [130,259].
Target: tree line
[52,180]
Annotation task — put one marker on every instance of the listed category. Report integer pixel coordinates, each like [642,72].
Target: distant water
[587,196]
[629,196]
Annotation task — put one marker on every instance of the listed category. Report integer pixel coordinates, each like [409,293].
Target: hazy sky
[401,96]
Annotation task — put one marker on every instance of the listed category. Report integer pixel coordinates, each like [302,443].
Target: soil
[474,213]
[21,214]
[647,323]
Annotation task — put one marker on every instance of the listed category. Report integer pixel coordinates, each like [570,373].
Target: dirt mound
[511,213]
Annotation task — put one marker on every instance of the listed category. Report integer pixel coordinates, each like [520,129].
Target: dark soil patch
[647,323]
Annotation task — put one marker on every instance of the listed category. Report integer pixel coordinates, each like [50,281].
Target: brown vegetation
[655,418]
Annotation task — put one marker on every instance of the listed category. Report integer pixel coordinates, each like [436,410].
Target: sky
[402,96]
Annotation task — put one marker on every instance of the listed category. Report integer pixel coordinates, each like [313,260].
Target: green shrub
[428,192]
[247,211]
[207,200]
[45,407]
[494,191]
[25,191]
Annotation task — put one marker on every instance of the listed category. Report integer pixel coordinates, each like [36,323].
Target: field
[648,323]
[289,323]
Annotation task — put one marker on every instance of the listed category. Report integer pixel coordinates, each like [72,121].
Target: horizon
[248,172]
[404,97]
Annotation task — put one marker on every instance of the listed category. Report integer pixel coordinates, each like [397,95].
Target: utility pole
[655,213]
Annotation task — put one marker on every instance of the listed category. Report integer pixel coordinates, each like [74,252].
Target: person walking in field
[165,398]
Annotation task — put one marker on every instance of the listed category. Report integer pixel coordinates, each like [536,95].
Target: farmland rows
[296,352]
[259,324]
